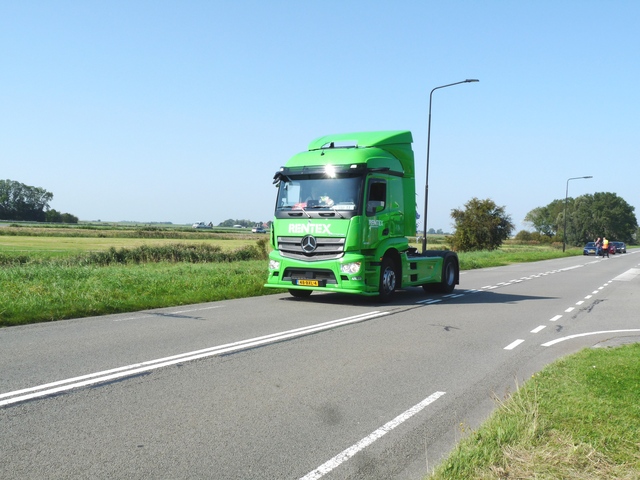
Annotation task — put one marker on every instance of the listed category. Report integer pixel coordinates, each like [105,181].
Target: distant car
[620,247]
[258,230]
[201,225]
[590,249]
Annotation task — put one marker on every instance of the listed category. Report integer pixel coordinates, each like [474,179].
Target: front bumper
[323,275]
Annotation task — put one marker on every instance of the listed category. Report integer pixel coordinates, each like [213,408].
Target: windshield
[319,194]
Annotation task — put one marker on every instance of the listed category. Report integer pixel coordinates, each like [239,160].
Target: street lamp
[426,186]
[566,196]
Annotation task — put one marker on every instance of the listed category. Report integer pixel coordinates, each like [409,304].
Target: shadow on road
[417,296]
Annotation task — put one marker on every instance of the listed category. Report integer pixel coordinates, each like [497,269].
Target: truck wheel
[448,282]
[300,293]
[388,280]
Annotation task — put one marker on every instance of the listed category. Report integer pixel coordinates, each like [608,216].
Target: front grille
[327,248]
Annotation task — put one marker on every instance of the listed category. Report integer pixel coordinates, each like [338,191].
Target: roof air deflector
[341,144]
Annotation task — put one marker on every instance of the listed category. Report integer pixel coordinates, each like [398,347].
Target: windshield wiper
[333,207]
[305,212]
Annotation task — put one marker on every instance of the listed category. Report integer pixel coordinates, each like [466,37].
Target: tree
[603,213]
[22,202]
[53,216]
[68,218]
[482,225]
[230,222]
[588,217]
[548,220]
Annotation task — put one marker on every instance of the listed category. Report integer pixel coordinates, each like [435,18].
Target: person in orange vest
[605,247]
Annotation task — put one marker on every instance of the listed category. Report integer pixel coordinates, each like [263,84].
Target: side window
[289,194]
[377,196]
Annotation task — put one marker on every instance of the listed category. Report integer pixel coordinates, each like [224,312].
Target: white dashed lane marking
[513,345]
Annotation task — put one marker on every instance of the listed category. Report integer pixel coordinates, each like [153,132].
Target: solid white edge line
[108,375]
[180,356]
[558,340]
[369,439]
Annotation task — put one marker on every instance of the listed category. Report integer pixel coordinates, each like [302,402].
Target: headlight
[349,268]
[274,265]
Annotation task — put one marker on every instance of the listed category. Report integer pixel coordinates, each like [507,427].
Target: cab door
[376,213]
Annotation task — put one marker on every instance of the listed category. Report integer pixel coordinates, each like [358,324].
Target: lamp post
[566,196]
[426,186]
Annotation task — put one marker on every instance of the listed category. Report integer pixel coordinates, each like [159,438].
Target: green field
[47,246]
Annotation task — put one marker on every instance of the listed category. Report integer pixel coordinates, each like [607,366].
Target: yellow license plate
[308,283]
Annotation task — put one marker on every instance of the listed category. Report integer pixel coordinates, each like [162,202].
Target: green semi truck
[345,210]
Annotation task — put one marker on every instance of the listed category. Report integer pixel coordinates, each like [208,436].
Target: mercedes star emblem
[309,244]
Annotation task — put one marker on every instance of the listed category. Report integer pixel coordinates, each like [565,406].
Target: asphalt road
[331,387]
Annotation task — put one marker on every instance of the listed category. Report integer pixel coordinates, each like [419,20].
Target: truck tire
[448,282]
[448,279]
[300,293]
[388,280]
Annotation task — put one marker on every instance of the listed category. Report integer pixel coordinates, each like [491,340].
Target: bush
[482,225]
[174,253]
[524,236]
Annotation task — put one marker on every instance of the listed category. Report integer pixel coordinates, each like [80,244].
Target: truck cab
[344,211]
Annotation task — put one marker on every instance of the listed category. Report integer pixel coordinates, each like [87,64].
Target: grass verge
[39,288]
[40,293]
[48,278]
[577,419]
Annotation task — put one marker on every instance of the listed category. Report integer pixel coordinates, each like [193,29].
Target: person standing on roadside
[605,247]
[598,247]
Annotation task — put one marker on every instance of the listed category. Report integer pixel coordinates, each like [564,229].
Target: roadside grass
[513,253]
[576,419]
[48,278]
[47,292]
[510,252]
[37,289]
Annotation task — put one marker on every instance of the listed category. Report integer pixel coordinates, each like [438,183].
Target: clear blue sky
[182,111]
